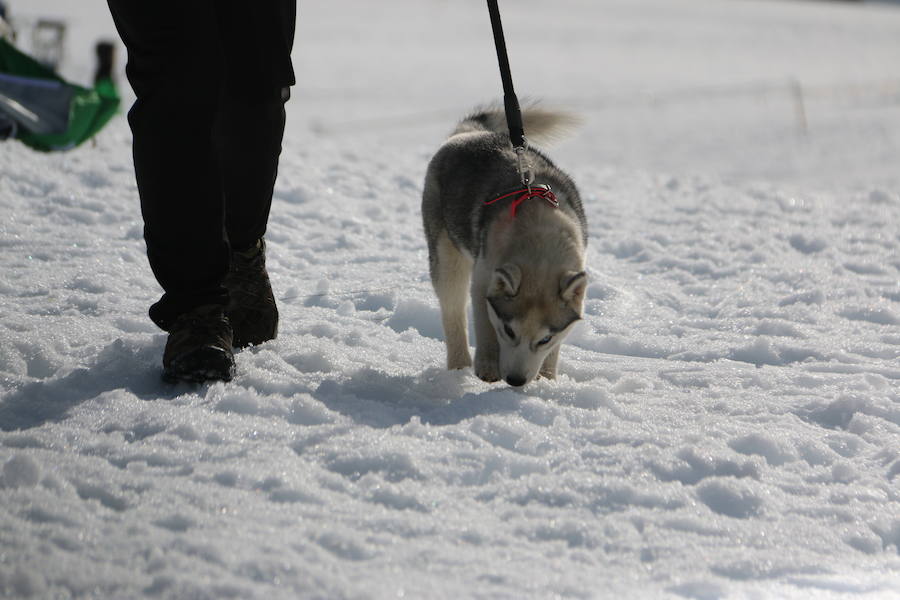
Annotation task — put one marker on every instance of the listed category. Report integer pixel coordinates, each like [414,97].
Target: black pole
[510,102]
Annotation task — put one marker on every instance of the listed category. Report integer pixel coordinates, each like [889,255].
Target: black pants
[211,78]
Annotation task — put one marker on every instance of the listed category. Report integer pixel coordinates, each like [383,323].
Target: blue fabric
[40,106]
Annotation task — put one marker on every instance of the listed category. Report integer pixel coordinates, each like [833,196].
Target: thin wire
[345,294]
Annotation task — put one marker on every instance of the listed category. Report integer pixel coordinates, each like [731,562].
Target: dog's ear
[572,286]
[506,280]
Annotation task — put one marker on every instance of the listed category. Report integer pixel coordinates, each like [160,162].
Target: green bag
[49,112]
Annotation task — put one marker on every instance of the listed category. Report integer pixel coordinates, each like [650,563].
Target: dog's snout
[515,380]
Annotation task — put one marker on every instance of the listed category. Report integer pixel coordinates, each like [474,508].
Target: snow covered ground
[727,420]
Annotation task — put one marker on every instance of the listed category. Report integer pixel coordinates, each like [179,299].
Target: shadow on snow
[120,365]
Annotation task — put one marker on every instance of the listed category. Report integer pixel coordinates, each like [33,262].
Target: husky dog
[521,247]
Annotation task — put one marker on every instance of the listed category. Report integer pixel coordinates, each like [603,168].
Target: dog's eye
[545,341]
[509,332]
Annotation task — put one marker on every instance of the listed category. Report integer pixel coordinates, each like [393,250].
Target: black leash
[510,101]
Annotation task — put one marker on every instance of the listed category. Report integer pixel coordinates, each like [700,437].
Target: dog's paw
[547,373]
[489,375]
[487,370]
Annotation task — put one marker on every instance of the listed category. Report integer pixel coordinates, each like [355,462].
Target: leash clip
[549,196]
[523,166]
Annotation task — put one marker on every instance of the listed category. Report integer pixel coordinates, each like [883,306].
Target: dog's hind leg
[450,274]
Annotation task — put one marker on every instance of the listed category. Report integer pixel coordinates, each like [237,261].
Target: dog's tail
[542,125]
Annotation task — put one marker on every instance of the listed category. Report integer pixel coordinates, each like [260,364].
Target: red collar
[535,191]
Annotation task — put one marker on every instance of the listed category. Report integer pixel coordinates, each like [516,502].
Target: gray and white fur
[525,274]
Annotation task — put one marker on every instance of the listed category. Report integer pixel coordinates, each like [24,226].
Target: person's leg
[257,41]
[249,142]
[176,70]
[248,139]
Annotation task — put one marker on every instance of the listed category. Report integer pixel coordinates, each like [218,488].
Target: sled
[44,111]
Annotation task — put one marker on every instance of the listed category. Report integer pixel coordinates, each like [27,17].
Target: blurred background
[797,91]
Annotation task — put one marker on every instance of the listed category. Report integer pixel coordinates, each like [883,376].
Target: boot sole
[203,364]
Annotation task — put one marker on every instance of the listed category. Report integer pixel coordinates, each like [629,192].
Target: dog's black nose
[515,380]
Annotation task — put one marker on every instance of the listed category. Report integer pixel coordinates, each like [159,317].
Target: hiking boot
[199,347]
[251,309]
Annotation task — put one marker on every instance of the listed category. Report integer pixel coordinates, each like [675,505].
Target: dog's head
[532,311]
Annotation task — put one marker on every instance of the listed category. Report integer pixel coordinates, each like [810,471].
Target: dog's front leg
[548,369]
[457,341]
[487,351]
[450,274]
